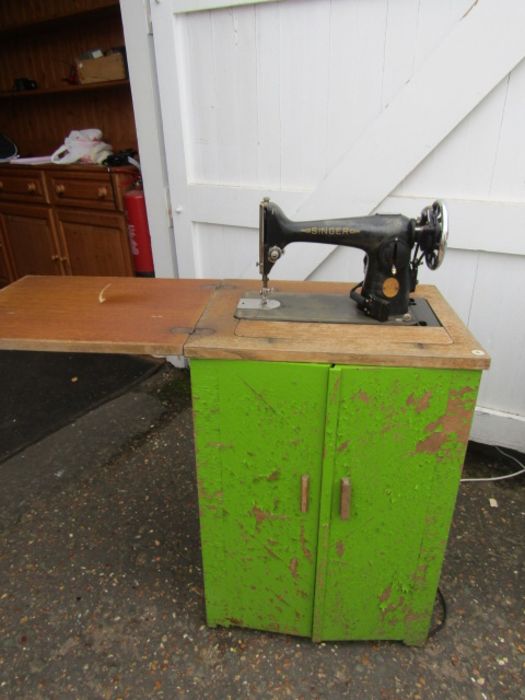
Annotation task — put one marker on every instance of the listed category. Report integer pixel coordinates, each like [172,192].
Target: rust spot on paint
[412,616]
[219,445]
[208,495]
[307,553]
[271,553]
[282,599]
[294,564]
[343,446]
[273,476]
[433,443]
[334,396]
[420,575]
[420,404]
[340,548]
[261,516]
[235,621]
[385,595]
[392,608]
[455,421]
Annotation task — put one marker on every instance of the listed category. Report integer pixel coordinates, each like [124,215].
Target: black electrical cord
[437,628]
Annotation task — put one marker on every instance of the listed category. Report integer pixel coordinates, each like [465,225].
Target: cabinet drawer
[86,190]
[22,187]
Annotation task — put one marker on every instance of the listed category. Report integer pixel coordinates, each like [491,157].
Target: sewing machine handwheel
[439,218]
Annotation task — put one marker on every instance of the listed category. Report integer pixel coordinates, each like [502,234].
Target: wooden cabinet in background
[6,273]
[95,246]
[41,41]
[63,220]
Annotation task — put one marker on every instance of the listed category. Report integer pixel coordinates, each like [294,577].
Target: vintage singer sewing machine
[394,245]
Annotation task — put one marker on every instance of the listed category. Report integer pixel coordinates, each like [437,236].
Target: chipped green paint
[404,433]
[259,550]
[398,435]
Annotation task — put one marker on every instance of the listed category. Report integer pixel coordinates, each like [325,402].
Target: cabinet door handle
[305,489]
[60,189]
[102,192]
[54,258]
[31,187]
[346,495]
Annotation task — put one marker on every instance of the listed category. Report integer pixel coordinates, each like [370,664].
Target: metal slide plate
[326,308]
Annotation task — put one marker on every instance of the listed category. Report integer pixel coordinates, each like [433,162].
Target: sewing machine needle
[264,290]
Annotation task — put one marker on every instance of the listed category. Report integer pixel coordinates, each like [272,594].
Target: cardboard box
[97,70]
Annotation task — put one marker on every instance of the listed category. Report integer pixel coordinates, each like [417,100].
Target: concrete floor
[101,586]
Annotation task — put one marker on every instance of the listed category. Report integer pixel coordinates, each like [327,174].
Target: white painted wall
[344,107]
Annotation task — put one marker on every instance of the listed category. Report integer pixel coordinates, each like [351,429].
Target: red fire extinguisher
[138,232]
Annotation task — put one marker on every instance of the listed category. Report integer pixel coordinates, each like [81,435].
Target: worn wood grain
[220,335]
[142,316]
[195,318]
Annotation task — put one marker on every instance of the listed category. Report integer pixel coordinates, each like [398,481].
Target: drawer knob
[60,189]
[31,187]
[102,192]
[54,258]
[1,185]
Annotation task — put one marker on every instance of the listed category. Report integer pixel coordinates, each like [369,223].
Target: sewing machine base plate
[326,308]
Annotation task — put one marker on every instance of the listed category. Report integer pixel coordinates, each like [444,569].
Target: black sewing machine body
[388,241]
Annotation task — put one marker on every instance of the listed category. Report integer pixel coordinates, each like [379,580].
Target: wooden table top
[196,318]
[130,315]
[219,335]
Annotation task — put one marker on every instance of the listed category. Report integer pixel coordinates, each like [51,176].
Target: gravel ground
[101,585]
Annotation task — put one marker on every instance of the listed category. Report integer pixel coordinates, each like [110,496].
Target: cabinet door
[30,237]
[6,274]
[396,439]
[259,430]
[94,243]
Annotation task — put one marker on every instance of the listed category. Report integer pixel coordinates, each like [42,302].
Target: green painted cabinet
[326,493]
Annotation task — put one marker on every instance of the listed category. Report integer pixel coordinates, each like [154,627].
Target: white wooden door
[345,107]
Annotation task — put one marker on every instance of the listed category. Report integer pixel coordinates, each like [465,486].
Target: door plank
[465,67]
[400,442]
[259,430]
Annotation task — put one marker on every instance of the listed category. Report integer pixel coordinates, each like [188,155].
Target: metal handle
[346,494]
[1,185]
[31,187]
[102,192]
[305,488]
[60,189]
[54,258]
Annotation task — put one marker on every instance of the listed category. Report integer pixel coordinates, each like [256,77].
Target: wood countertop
[219,335]
[130,315]
[196,318]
